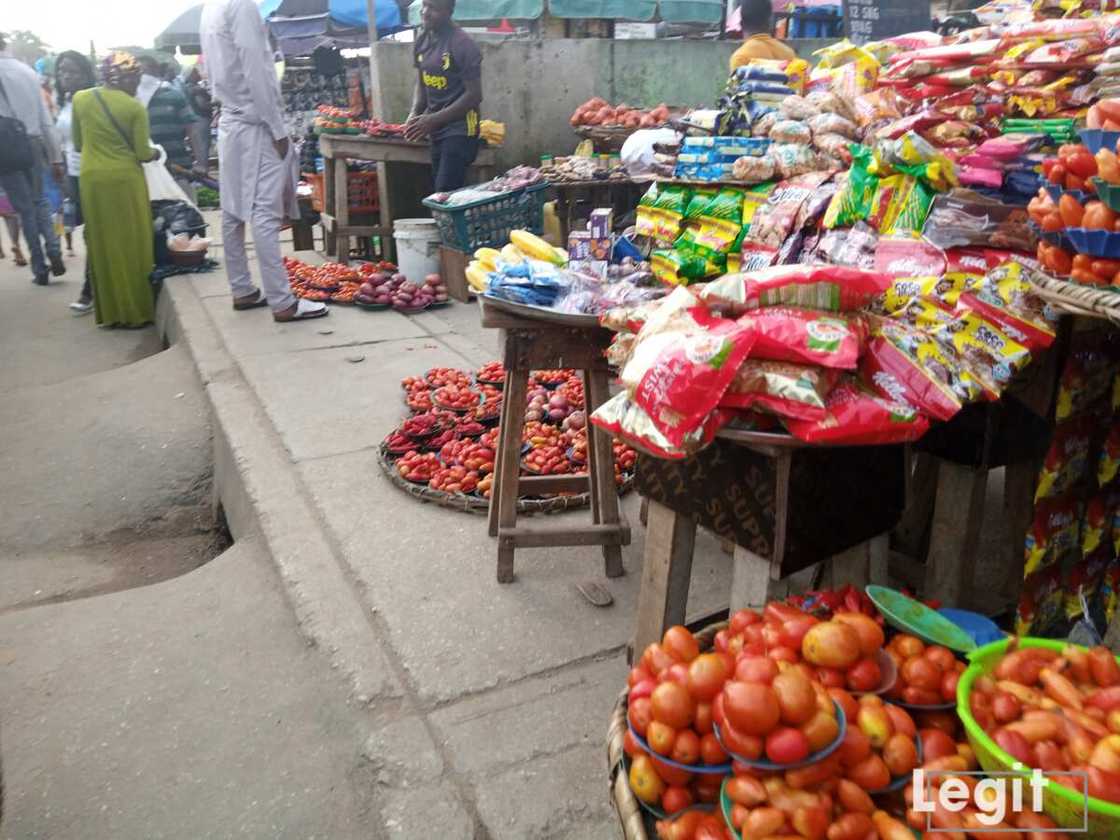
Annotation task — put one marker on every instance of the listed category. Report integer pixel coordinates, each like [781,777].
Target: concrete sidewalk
[498,696]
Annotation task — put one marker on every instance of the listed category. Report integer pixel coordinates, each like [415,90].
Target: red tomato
[630,745]
[660,737]
[751,708]
[670,774]
[677,673]
[710,750]
[672,705]
[830,677]
[1075,182]
[640,714]
[756,669]
[706,675]
[686,749]
[1057,174]
[1081,163]
[1071,211]
[748,746]
[1052,222]
[741,620]
[786,745]
[680,644]
[702,721]
[643,689]
[638,674]
[675,799]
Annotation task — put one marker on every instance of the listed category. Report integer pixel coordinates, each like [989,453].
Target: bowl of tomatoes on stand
[787,698]
[454,415]
[1077,216]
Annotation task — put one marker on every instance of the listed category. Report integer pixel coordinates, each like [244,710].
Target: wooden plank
[605,534]
[554,483]
[1018,511]
[878,560]
[666,573]
[911,535]
[851,566]
[452,268]
[330,245]
[957,514]
[387,150]
[557,347]
[331,225]
[750,580]
[604,492]
[513,406]
[341,211]
[499,454]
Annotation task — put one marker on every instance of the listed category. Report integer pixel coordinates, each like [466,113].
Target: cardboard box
[601,248]
[601,223]
[579,245]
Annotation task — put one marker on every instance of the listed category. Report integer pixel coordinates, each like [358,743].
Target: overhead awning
[302,25]
[671,11]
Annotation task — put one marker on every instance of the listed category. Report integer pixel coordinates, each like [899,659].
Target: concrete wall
[534,86]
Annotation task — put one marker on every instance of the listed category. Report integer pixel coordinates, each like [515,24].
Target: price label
[873,20]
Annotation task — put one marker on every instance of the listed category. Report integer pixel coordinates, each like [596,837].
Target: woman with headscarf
[73,73]
[111,132]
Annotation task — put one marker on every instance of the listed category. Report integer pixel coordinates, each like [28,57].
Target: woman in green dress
[110,129]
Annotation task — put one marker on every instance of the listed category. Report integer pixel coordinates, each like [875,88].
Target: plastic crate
[362,191]
[487,223]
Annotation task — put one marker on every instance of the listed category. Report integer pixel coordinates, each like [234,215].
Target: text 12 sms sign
[872,20]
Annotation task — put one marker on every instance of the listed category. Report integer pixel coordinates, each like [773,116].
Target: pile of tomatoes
[1072,168]
[330,282]
[927,675]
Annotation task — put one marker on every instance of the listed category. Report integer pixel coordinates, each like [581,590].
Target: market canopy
[303,25]
[182,32]
[670,11]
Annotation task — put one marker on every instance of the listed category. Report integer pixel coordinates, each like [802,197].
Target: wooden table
[535,344]
[782,504]
[399,186]
[621,195]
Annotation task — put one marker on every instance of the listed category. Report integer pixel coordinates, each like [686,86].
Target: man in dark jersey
[448,93]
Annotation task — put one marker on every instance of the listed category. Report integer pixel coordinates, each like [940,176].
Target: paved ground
[509,686]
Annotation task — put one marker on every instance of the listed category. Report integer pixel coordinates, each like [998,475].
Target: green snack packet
[672,202]
[647,213]
[852,203]
[718,223]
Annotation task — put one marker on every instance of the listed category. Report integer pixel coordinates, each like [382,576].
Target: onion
[558,401]
[556,414]
[576,420]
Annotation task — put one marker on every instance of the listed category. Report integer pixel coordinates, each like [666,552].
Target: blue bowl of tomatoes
[1095,242]
[1096,139]
[1057,192]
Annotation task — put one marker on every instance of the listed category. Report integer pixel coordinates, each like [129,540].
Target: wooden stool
[533,345]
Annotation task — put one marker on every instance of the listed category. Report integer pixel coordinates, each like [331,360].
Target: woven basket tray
[468,503]
[1076,299]
[636,823]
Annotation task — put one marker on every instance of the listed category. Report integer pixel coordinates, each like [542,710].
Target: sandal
[301,310]
[17,254]
[253,301]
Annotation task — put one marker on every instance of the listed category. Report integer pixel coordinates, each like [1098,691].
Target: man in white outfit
[256,166]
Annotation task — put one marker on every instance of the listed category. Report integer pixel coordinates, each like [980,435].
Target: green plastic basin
[1062,804]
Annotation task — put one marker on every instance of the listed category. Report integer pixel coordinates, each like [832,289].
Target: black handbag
[16,153]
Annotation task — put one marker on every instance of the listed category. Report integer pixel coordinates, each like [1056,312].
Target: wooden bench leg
[751,586]
[495,488]
[513,417]
[957,515]
[666,573]
[600,456]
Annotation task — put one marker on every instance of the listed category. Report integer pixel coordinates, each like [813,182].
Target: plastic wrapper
[825,287]
[1006,299]
[646,221]
[1054,537]
[761,127]
[1085,383]
[753,170]
[1066,464]
[715,224]
[1086,576]
[797,108]
[855,415]
[828,102]
[853,79]
[963,217]
[1040,602]
[788,390]
[681,366]
[905,256]
[854,247]
[791,131]
[905,290]
[792,159]
[834,145]
[807,336]
[953,134]
[624,419]
[672,201]
[900,205]
[774,221]
[754,199]
[906,365]
[683,264]
[852,203]
[833,124]
[1108,462]
[911,154]
[876,106]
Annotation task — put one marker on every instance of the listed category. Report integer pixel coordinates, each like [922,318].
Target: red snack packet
[906,257]
[974,260]
[807,336]
[626,421]
[830,287]
[1006,299]
[856,416]
[679,368]
[908,366]
[788,390]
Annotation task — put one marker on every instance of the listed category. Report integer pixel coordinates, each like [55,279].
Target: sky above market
[73,24]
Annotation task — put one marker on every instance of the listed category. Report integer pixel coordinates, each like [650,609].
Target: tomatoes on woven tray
[493,372]
[418,466]
[548,460]
[440,376]
[454,480]
[456,396]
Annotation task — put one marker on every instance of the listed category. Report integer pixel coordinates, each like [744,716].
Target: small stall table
[534,339]
[396,193]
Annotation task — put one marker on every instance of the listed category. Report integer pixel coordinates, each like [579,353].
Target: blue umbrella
[343,13]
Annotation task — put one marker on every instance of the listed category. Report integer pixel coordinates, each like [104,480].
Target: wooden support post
[342,210]
[912,532]
[600,460]
[750,580]
[957,515]
[666,574]
[330,244]
[517,386]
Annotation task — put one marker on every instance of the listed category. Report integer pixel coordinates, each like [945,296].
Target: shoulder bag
[161,186]
[16,152]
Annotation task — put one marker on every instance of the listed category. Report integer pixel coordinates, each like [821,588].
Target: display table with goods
[809,717]
[395,191]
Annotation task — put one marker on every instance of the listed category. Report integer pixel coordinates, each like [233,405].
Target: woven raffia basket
[636,824]
[1103,302]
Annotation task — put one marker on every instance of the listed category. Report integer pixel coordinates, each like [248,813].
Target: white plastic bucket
[417,247]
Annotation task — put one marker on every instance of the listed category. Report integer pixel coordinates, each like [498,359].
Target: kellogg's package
[833,288]
[807,336]
[1006,299]
[856,416]
[904,256]
[680,367]
[625,420]
[787,390]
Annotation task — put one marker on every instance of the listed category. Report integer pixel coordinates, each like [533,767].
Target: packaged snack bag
[1041,602]
[754,198]
[646,223]
[852,203]
[1108,463]
[1006,299]
[681,366]
[625,420]
[1110,586]
[788,390]
[905,290]
[833,124]
[1086,577]
[1085,383]
[856,416]
[716,223]
[807,336]
[685,264]
[797,108]
[833,288]
[1066,464]
[672,201]
[1054,537]
[906,365]
[774,221]
[904,256]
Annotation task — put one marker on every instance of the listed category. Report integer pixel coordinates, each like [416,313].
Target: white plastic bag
[637,151]
[161,186]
